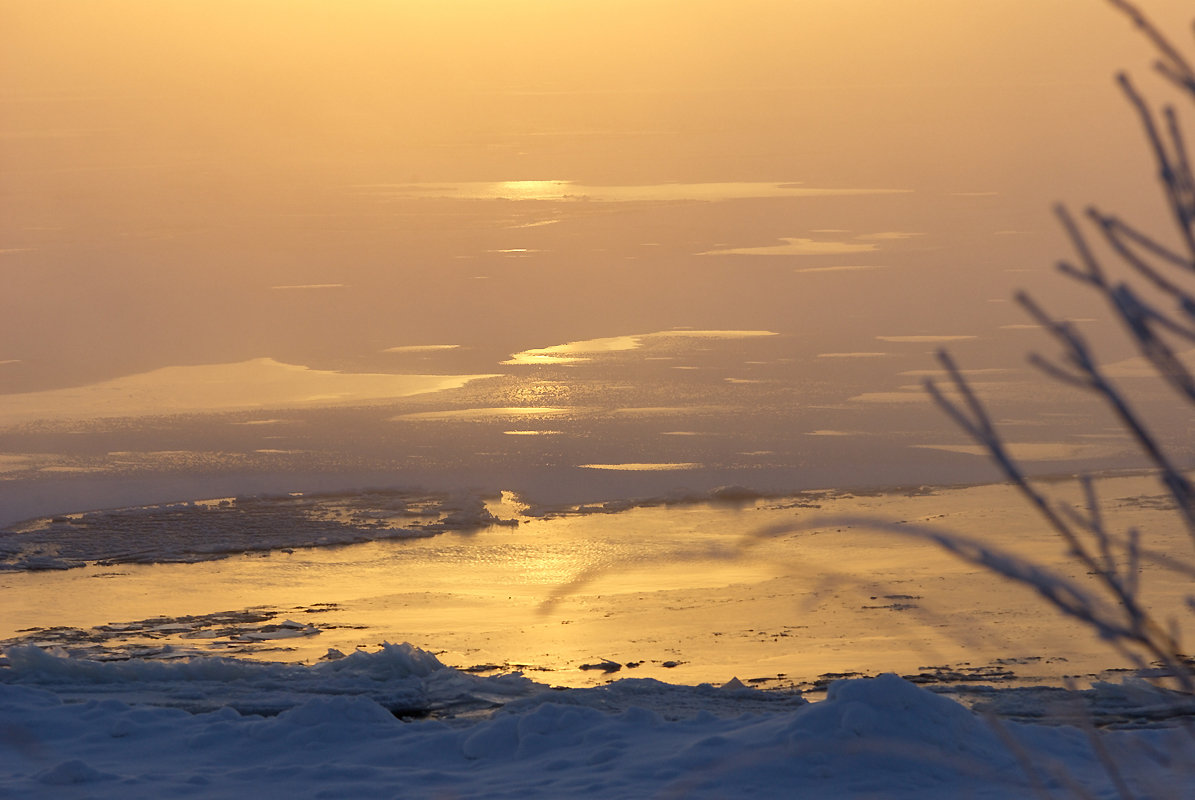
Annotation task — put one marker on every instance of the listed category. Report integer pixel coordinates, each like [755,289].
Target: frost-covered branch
[1167,272]
[1126,626]
[1171,63]
[1097,557]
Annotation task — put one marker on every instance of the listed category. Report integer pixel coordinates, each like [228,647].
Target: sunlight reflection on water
[510,412]
[643,467]
[558,190]
[648,584]
[257,383]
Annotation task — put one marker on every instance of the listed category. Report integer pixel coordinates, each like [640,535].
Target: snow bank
[400,678]
[340,737]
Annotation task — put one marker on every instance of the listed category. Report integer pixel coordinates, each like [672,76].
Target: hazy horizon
[492,243]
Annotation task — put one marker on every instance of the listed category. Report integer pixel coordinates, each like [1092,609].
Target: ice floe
[202,531]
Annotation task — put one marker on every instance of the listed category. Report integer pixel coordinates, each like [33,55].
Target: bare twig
[1169,171]
[1090,375]
[1171,62]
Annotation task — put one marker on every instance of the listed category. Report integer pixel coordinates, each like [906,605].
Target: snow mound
[66,734]
[403,679]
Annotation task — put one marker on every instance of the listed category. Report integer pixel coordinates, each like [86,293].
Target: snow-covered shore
[349,728]
[654,649]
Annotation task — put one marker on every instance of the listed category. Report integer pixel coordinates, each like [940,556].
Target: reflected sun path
[563,190]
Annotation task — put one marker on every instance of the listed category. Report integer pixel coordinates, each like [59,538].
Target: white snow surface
[350,727]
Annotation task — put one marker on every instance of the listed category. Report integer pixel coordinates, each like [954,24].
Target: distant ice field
[580,422]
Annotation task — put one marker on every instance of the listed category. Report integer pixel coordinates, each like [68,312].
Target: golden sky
[434,187]
[149,148]
[613,91]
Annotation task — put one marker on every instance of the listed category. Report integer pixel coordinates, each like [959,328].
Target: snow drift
[346,727]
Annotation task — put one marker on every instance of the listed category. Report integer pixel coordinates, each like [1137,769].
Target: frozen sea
[375,387]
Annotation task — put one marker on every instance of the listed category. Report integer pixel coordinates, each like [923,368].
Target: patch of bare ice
[203,531]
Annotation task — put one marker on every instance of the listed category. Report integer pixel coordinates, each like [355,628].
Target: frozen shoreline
[653,648]
[358,727]
[682,584]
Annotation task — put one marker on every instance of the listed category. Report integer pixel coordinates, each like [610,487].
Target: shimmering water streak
[573,352]
[258,383]
[643,467]
[558,190]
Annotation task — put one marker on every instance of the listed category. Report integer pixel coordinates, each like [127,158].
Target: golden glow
[573,352]
[638,193]
[484,602]
[511,412]
[642,467]
[666,411]
[260,383]
[530,190]
[797,247]
[519,187]
[1039,451]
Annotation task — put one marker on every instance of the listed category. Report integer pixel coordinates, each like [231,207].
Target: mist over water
[427,258]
